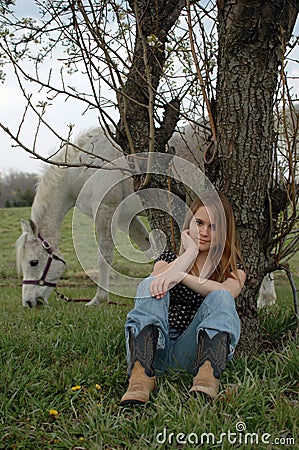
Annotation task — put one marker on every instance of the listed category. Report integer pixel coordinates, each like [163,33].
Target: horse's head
[40,264]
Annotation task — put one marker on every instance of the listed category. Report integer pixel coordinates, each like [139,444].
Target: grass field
[63,371]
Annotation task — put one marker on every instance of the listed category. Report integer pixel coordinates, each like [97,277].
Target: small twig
[150,107]
[287,270]
[203,90]
[48,159]
[170,210]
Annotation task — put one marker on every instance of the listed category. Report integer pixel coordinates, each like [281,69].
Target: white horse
[37,253]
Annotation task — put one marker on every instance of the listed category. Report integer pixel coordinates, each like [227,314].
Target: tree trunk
[136,130]
[252,39]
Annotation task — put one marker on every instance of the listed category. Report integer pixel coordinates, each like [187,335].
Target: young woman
[184,316]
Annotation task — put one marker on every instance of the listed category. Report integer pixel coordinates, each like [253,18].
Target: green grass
[46,352]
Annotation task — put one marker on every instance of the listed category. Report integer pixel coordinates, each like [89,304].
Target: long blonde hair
[231,250]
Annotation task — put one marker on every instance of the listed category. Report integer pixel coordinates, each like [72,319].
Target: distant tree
[17,189]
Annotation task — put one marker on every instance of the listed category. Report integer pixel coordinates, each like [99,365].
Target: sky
[11,112]
[60,115]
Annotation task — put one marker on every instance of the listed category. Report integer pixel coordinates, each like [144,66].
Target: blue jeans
[177,350]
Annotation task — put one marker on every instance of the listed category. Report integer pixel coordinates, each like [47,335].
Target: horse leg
[105,245]
[267,294]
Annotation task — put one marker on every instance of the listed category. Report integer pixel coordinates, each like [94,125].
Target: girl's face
[201,229]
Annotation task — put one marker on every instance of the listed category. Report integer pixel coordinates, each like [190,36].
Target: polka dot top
[183,303]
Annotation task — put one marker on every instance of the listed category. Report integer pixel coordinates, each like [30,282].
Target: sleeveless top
[184,302]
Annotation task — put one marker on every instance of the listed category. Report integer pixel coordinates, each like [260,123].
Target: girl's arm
[184,262]
[204,287]
[168,274]
[181,264]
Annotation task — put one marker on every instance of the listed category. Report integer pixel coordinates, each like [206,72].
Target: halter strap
[42,281]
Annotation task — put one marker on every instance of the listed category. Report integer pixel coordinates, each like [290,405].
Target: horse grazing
[37,254]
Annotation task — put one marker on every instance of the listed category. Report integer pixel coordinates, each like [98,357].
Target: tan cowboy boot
[140,386]
[210,363]
[142,380]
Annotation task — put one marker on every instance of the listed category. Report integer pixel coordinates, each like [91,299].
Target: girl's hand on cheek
[188,241]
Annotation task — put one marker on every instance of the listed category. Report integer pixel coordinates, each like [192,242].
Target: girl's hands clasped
[165,281]
[177,270]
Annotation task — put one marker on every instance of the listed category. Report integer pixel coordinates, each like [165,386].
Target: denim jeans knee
[218,313]
[148,311]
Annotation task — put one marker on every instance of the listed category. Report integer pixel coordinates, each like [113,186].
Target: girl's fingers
[157,287]
[154,287]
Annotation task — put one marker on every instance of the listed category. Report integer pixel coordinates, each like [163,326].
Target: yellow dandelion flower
[81,438]
[53,412]
[98,387]
[76,388]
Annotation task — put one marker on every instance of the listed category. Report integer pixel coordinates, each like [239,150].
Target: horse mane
[20,251]
[55,175]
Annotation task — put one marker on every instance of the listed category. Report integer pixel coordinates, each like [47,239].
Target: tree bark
[252,40]
[152,19]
